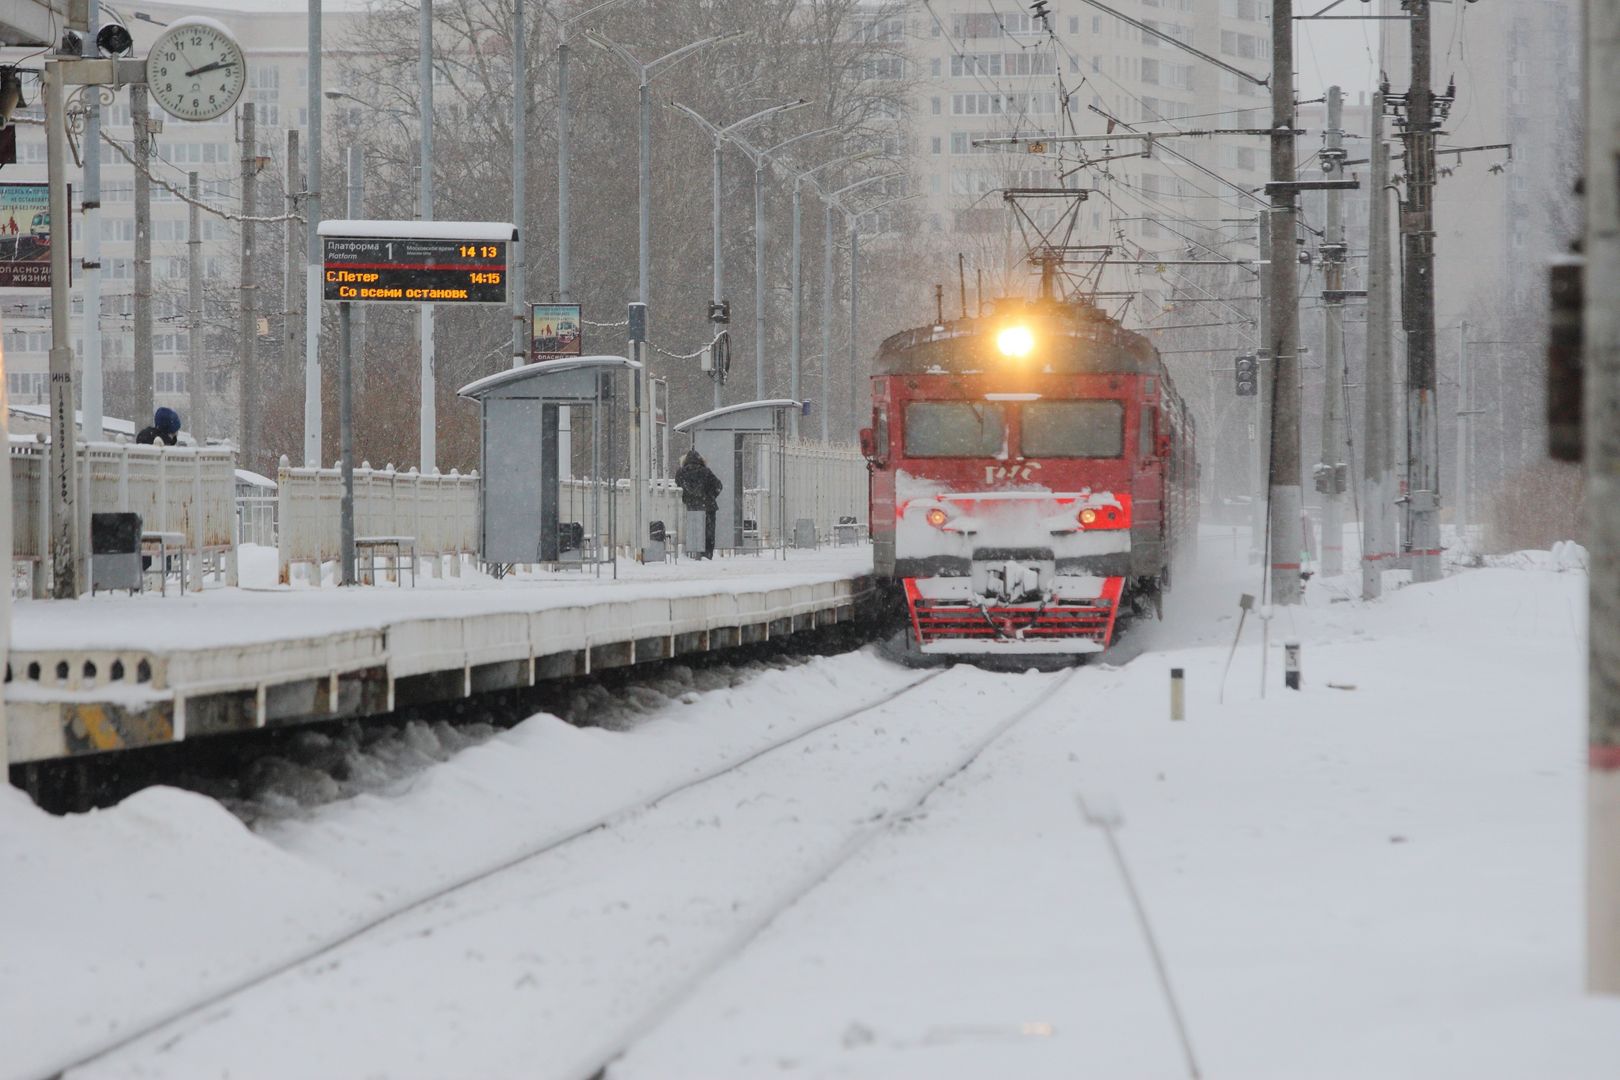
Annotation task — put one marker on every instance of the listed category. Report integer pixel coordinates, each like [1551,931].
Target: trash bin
[655,543]
[115,552]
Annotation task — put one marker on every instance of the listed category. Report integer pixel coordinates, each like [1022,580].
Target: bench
[367,548]
[161,546]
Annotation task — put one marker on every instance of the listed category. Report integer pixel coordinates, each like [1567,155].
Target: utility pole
[1378,540]
[828,246]
[247,328]
[1330,470]
[854,319]
[1602,452]
[140,117]
[63,462]
[312,251]
[93,405]
[289,300]
[520,180]
[1419,120]
[195,376]
[1464,418]
[355,211]
[428,421]
[1284,495]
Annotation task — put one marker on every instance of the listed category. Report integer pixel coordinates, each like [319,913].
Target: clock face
[196,70]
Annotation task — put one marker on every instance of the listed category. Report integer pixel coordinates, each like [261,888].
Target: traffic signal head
[1245,371]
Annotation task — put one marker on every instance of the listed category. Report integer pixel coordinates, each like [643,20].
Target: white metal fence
[822,482]
[440,512]
[176,489]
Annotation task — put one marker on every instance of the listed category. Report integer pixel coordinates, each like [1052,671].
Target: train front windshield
[1072,429]
[972,429]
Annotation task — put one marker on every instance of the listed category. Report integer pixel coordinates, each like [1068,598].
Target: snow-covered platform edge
[62,702]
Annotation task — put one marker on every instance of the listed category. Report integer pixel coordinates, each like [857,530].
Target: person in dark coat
[700,490]
[165,428]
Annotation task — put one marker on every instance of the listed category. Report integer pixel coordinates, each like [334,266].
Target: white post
[93,409]
[1602,452]
[312,252]
[429,426]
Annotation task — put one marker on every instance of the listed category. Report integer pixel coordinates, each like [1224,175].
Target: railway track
[815,875]
[528,880]
[324,948]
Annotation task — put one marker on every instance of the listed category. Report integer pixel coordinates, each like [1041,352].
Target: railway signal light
[1248,383]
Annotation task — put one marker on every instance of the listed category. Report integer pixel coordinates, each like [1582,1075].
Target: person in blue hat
[165,428]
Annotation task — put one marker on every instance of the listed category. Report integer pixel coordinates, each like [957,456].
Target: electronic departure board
[417,270]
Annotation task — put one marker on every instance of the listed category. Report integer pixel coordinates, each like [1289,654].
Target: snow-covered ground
[1378,875]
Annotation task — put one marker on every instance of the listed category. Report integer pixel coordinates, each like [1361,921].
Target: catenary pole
[1284,495]
[196,377]
[1333,254]
[1601,328]
[1261,443]
[141,119]
[312,250]
[93,404]
[854,317]
[1417,284]
[428,425]
[1378,463]
[246,326]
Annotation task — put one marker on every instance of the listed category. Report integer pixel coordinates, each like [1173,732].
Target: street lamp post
[564,278]
[762,158]
[854,301]
[799,181]
[645,73]
[720,134]
[830,203]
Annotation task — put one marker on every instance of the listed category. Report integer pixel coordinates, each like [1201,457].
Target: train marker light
[1016,342]
[937,518]
[1088,516]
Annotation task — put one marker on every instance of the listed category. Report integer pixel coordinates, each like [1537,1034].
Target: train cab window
[955,429]
[1073,429]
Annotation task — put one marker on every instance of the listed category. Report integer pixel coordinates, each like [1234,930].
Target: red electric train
[1033,477]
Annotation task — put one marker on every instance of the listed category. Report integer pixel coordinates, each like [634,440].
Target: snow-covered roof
[543,368]
[727,410]
[419,230]
[253,479]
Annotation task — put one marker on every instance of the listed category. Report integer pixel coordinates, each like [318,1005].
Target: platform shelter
[723,437]
[520,461]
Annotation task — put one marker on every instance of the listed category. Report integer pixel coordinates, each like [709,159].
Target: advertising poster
[25,236]
[556,331]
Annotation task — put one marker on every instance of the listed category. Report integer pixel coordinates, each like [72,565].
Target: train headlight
[1088,516]
[937,518]
[1016,342]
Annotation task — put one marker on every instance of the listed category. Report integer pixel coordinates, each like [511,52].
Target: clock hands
[215,66]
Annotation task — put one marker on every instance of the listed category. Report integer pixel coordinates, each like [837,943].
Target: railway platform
[110,673]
